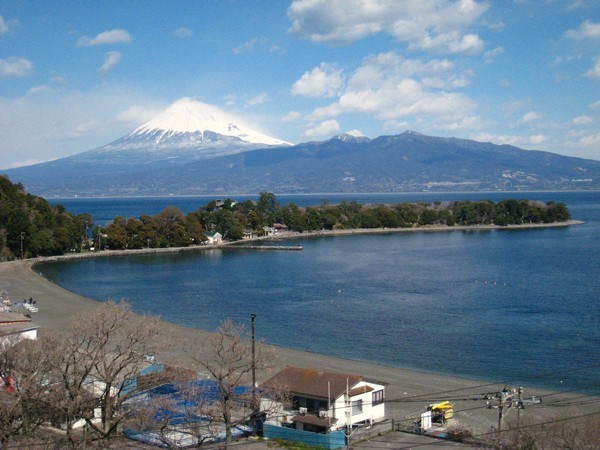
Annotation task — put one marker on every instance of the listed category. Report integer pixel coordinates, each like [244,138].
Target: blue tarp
[330,441]
[183,398]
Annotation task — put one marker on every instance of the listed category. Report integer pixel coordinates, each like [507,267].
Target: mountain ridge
[408,162]
[177,153]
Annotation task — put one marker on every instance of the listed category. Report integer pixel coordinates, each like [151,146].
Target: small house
[325,401]
[213,238]
[15,327]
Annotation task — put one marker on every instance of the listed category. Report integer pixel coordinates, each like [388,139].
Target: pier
[266,247]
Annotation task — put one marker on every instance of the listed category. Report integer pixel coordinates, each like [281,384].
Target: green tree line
[30,226]
[171,228]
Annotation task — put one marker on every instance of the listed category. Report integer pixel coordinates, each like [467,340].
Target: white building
[14,327]
[325,401]
[213,238]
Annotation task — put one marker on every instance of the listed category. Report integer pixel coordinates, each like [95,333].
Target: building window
[357,407]
[378,397]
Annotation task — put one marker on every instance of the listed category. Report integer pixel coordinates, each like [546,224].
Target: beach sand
[408,391]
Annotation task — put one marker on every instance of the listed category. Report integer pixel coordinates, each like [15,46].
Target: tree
[228,358]
[267,207]
[106,348]
[27,391]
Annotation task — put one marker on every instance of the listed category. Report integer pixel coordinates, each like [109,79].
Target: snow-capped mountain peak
[191,116]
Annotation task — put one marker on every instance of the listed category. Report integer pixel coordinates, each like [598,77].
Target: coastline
[408,391]
[307,235]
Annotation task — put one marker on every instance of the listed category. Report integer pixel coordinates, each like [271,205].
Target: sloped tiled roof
[312,383]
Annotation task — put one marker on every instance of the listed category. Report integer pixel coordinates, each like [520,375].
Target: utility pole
[22,237]
[501,400]
[506,401]
[255,407]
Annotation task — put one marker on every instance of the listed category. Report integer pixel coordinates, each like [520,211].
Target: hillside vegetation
[30,226]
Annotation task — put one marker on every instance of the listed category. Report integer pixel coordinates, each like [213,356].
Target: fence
[329,441]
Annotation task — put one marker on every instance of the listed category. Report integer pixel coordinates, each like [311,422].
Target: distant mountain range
[193,148]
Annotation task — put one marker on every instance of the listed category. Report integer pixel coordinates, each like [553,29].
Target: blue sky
[77,74]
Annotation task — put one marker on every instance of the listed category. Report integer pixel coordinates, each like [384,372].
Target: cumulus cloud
[324,128]
[594,72]
[490,55]
[582,120]
[434,25]
[292,116]
[106,37]
[592,140]
[111,59]
[15,67]
[530,117]
[257,99]
[322,81]
[3,25]
[587,30]
[537,138]
[183,32]
[390,87]
[136,115]
[36,128]
[249,45]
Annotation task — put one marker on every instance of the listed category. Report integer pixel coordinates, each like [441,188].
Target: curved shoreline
[307,235]
[57,304]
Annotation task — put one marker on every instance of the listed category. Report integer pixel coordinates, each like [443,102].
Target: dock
[266,247]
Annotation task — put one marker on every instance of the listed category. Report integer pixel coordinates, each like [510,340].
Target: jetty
[266,247]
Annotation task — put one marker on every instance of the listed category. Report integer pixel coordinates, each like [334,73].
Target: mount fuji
[194,149]
[188,130]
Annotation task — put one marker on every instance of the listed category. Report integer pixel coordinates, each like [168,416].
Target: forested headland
[30,226]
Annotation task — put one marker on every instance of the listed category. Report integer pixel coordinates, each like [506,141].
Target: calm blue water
[520,306]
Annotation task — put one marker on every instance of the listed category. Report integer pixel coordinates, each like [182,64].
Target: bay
[520,306]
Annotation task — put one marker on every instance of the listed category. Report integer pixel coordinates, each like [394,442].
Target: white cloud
[529,117]
[323,81]
[355,133]
[106,37]
[3,25]
[490,55]
[324,128]
[249,45]
[587,30]
[292,116]
[436,25]
[592,140]
[38,89]
[136,115]
[58,123]
[390,87]
[465,123]
[595,105]
[257,100]
[582,120]
[15,67]
[111,59]
[183,32]
[537,139]
[594,72]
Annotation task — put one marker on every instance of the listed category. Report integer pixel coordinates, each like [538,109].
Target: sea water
[514,306]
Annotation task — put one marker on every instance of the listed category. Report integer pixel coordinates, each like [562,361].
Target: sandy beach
[408,391]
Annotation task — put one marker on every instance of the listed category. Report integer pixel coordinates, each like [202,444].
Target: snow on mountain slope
[191,116]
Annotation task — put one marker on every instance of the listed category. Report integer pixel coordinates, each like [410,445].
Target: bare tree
[26,389]
[104,351]
[570,431]
[228,358]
